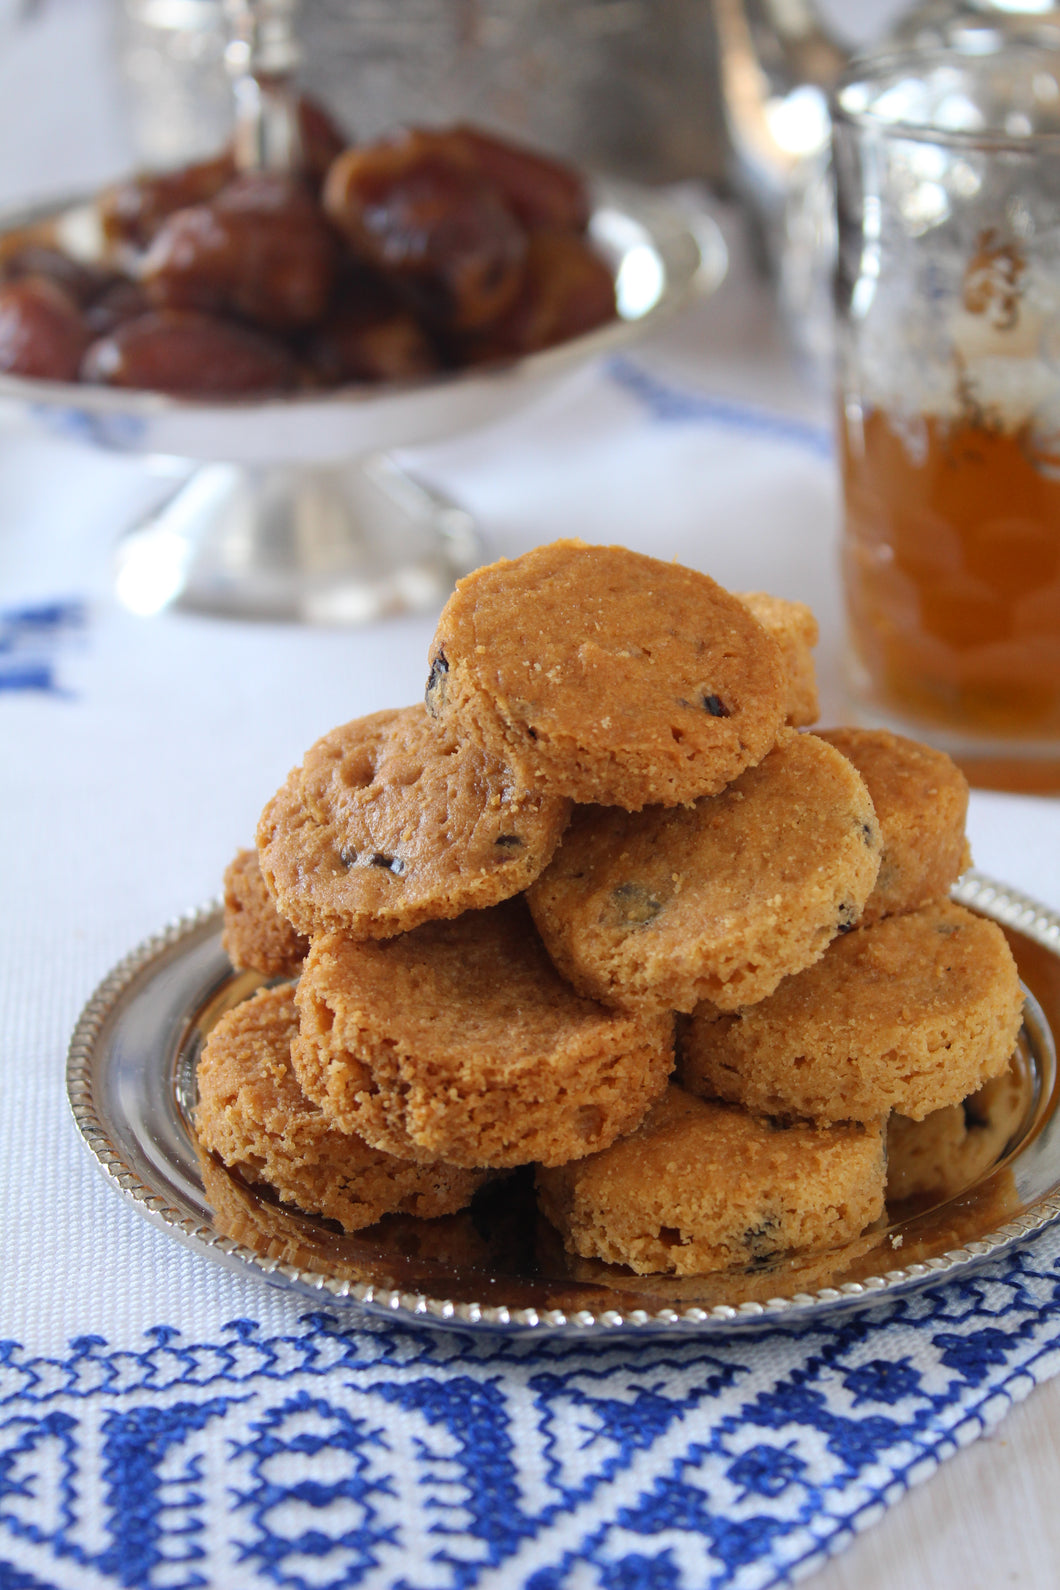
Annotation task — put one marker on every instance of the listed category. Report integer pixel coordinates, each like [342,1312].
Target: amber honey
[951,561]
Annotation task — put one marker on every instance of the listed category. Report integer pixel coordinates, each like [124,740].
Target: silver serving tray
[131,1084]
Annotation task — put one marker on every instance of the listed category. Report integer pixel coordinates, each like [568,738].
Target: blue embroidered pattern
[669,405]
[117,432]
[359,1453]
[30,641]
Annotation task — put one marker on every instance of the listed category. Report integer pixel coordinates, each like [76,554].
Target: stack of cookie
[601,906]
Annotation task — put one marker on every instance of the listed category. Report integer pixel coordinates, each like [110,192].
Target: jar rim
[876,71]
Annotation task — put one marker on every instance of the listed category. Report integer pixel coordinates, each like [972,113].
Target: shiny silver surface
[130,1079]
[293,514]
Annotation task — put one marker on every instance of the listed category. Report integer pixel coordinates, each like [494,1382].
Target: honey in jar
[951,561]
[947,292]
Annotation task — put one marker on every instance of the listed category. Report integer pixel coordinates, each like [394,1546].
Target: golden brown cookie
[912,1013]
[599,1285]
[254,1116]
[663,908]
[951,1148]
[702,1186]
[461,1041]
[390,821]
[607,676]
[256,937]
[794,628]
[397,1251]
[921,800]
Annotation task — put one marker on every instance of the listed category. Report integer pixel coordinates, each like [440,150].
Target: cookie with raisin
[702,1186]
[256,937]
[607,676]
[795,630]
[951,1148]
[719,900]
[392,820]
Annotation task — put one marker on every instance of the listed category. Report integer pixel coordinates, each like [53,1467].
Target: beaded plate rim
[88,1056]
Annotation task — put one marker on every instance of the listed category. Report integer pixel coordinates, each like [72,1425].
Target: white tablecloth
[164,1422]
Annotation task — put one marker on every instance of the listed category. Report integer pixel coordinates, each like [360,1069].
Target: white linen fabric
[166,1423]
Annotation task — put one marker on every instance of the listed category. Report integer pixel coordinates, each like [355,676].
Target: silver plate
[131,1084]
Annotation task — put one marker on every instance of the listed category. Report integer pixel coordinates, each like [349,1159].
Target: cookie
[390,821]
[461,1041]
[783,1275]
[253,1115]
[794,628]
[398,1251]
[951,1148]
[256,937]
[921,800]
[911,1013]
[663,908]
[607,676]
[702,1186]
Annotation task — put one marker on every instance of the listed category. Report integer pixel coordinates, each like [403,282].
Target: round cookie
[254,1116]
[702,1186]
[921,800]
[607,676]
[256,937]
[912,1013]
[951,1148]
[751,1281]
[390,821]
[461,1041]
[398,1250]
[663,908]
[795,630]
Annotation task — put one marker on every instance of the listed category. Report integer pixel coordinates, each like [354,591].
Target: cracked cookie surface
[391,821]
[607,676]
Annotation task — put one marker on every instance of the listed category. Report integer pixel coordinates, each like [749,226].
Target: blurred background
[713,91]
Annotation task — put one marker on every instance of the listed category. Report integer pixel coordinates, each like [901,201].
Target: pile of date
[429,250]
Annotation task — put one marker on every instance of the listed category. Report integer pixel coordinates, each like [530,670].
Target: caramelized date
[121,300]
[568,291]
[261,250]
[81,282]
[42,333]
[189,355]
[541,191]
[425,250]
[368,336]
[424,216]
[323,140]
[132,211]
[350,347]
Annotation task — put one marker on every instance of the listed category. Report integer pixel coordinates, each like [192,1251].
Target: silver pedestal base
[297,543]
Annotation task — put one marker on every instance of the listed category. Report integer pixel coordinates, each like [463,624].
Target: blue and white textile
[317,1452]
